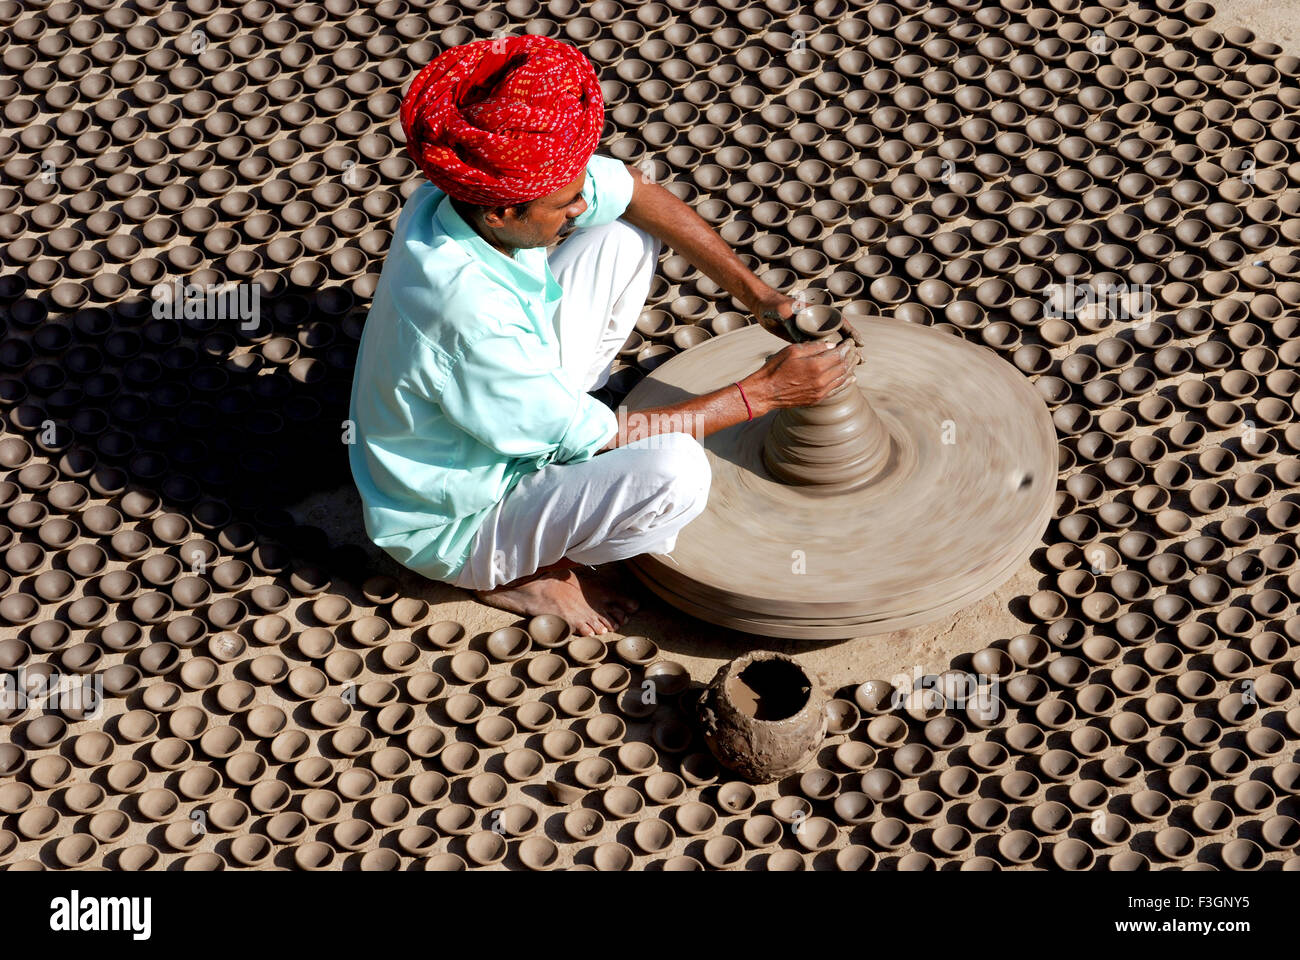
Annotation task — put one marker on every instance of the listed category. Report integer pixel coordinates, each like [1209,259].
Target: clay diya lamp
[331,609]
[583,825]
[654,836]
[561,745]
[418,840]
[923,806]
[987,814]
[1281,832]
[469,666]
[736,798]
[791,809]
[1253,797]
[400,655]
[538,853]
[959,782]
[855,755]
[548,630]
[508,644]
[227,815]
[1019,847]
[90,749]
[855,857]
[1073,854]
[637,651]
[126,776]
[664,787]
[890,833]
[445,634]
[577,701]
[669,677]
[1242,855]
[585,651]
[694,818]
[369,631]
[637,757]
[594,773]
[534,715]
[428,788]
[611,678]
[506,690]
[109,825]
[762,831]
[699,770]
[422,741]
[816,833]
[463,708]
[389,810]
[1051,818]
[842,716]
[612,857]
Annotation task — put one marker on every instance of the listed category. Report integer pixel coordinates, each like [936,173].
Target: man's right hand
[800,374]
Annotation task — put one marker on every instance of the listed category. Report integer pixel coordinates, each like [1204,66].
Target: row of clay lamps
[851,807]
[159,65]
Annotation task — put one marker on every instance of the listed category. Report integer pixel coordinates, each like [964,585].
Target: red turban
[504,121]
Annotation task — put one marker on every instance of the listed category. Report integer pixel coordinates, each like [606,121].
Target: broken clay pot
[763,717]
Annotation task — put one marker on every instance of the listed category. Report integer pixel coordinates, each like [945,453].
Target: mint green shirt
[457,392]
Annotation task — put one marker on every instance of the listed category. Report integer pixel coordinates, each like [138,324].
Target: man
[478,438]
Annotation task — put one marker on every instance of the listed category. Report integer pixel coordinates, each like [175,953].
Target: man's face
[543,221]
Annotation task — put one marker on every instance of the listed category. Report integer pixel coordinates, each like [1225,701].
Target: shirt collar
[514,269]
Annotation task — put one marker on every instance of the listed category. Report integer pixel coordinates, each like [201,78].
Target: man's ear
[497,217]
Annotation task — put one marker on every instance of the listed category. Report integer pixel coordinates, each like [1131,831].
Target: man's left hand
[774,312]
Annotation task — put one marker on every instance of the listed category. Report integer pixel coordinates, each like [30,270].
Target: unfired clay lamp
[763,717]
[913,490]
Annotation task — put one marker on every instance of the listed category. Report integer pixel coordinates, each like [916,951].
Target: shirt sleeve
[607,190]
[502,390]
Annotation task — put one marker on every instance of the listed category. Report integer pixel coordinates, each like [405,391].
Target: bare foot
[613,590]
[559,592]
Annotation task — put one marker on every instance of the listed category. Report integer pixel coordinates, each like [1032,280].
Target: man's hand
[774,312]
[800,374]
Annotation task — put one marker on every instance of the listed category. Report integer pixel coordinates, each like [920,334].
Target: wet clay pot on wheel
[763,717]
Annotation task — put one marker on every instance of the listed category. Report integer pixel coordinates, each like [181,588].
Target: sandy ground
[1275,20]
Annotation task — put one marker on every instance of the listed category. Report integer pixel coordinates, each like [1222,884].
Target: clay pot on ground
[1242,855]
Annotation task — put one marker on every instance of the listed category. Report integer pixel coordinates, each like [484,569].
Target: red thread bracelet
[748,409]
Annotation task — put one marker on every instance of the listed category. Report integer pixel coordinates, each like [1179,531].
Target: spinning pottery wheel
[913,490]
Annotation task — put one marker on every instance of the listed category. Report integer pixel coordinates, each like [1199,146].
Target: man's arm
[661,214]
[797,375]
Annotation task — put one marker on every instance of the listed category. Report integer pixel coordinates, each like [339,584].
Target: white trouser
[627,501]
[605,273]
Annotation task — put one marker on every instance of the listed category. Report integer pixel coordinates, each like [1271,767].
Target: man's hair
[475,212]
